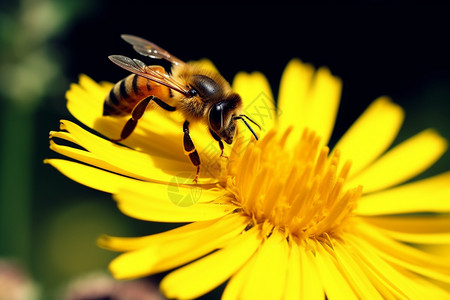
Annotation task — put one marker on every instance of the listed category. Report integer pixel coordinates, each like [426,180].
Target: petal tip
[104,241]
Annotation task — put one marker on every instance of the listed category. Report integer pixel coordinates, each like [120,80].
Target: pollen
[300,191]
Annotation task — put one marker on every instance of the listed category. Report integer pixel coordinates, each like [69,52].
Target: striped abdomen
[126,93]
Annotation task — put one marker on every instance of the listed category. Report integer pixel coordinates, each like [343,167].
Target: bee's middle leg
[138,112]
[189,149]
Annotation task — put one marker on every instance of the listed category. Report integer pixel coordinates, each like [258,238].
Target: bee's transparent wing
[138,67]
[150,49]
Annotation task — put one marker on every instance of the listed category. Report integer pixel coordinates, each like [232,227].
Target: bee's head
[222,118]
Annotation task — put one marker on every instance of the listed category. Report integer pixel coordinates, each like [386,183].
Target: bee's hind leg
[127,130]
[189,149]
[137,113]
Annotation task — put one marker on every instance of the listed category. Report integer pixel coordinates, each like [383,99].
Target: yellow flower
[282,217]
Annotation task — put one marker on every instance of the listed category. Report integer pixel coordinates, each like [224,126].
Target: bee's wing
[150,49]
[138,67]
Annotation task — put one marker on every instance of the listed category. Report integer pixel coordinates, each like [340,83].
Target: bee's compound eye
[192,93]
[216,117]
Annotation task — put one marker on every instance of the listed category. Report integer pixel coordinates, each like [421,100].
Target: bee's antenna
[241,117]
[248,118]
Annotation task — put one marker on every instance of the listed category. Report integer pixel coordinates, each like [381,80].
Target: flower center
[299,191]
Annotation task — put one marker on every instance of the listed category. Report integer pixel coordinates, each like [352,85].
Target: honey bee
[199,95]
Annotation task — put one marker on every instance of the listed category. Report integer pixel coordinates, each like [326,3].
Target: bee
[199,95]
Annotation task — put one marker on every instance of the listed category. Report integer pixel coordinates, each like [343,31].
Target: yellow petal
[352,270]
[258,103]
[425,224]
[323,103]
[391,283]
[426,229]
[309,102]
[431,289]
[311,286]
[176,252]
[266,279]
[85,100]
[414,238]
[92,177]
[160,206]
[123,244]
[204,63]
[85,157]
[335,284]
[401,163]
[293,97]
[294,91]
[405,256]
[427,195]
[207,273]
[371,134]
[92,87]
[438,250]
[292,291]
[237,282]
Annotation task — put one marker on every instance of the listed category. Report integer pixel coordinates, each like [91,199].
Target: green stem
[16,150]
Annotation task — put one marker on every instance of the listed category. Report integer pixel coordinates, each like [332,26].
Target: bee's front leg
[189,149]
[218,139]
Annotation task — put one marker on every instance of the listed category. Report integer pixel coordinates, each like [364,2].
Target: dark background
[399,50]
